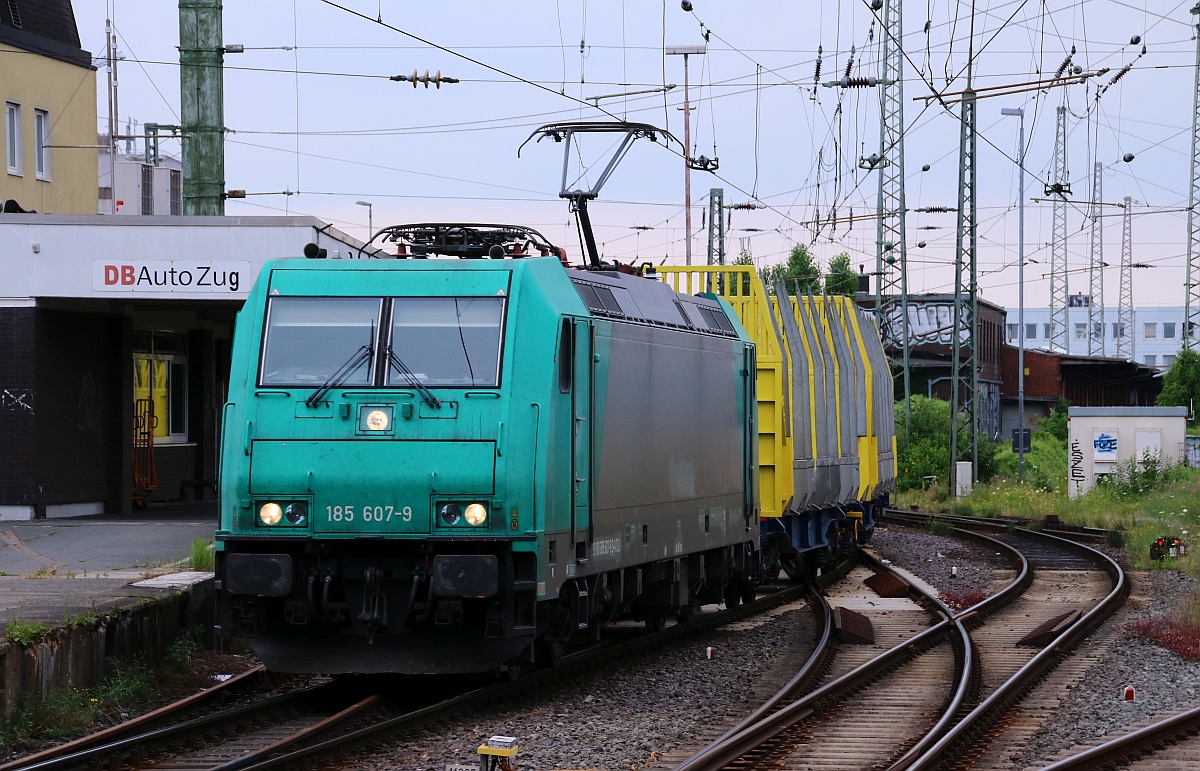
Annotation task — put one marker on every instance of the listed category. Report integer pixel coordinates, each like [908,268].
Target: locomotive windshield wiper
[361,356]
[426,395]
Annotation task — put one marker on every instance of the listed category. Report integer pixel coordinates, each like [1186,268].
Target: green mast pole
[202,97]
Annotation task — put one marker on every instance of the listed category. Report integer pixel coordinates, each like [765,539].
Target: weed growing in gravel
[961,599]
[25,633]
[1175,634]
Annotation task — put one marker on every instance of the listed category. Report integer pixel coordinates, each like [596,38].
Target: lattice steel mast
[1096,268]
[1059,189]
[964,378]
[891,255]
[1191,303]
[1125,344]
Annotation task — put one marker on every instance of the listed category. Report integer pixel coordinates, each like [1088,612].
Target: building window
[1046,332]
[1031,331]
[1168,360]
[147,189]
[176,192]
[1080,331]
[160,376]
[1168,330]
[1150,330]
[1012,332]
[1118,329]
[1150,360]
[1098,330]
[41,143]
[12,136]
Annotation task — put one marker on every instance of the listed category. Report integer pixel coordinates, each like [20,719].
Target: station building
[115,339]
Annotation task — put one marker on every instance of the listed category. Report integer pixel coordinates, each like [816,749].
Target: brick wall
[1043,380]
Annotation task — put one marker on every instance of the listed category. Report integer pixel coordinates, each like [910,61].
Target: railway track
[336,719]
[940,708]
[1164,745]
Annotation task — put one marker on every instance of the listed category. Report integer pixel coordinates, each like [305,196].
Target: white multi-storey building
[1157,333]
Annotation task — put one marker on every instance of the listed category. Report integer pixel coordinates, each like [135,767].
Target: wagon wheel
[831,552]
[512,670]
[733,593]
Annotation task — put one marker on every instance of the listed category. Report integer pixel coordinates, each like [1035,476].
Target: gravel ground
[616,719]
[1164,683]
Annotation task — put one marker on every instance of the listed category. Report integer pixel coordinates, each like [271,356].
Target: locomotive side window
[308,339]
[566,356]
[448,341]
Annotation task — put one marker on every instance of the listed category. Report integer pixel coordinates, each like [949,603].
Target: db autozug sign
[171,276]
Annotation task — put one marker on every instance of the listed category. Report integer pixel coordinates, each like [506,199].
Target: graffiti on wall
[91,405]
[16,400]
[1076,470]
[929,321]
[1104,446]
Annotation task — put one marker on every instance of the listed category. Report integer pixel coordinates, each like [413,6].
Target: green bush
[1045,463]
[924,450]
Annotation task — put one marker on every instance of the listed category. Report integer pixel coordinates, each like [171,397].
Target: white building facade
[1155,338]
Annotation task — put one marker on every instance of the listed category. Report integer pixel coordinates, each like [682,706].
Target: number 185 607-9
[368,513]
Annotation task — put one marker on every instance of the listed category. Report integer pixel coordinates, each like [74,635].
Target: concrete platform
[54,570]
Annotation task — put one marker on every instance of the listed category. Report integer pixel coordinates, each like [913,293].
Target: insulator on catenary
[937,209]
[849,63]
[817,73]
[1120,74]
[1065,64]
[857,82]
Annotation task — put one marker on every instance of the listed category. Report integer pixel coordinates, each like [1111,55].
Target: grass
[1142,509]
[202,556]
[1171,507]
[66,712]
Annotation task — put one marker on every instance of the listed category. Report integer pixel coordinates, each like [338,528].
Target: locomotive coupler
[374,610]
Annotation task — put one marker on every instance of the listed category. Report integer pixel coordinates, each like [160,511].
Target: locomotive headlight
[450,513]
[475,514]
[296,513]
[270,514]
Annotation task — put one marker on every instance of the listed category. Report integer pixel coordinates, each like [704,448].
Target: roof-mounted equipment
[578,197]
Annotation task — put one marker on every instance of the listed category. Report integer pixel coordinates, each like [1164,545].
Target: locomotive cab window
[309,339]
[447,341]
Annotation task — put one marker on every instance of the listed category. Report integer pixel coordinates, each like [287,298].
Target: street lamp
[686,51]
[370,218]
[1020,113]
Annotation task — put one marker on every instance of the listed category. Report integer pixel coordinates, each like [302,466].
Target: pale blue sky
[450,154]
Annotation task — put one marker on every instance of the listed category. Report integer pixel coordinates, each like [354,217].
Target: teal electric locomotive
[473,457]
